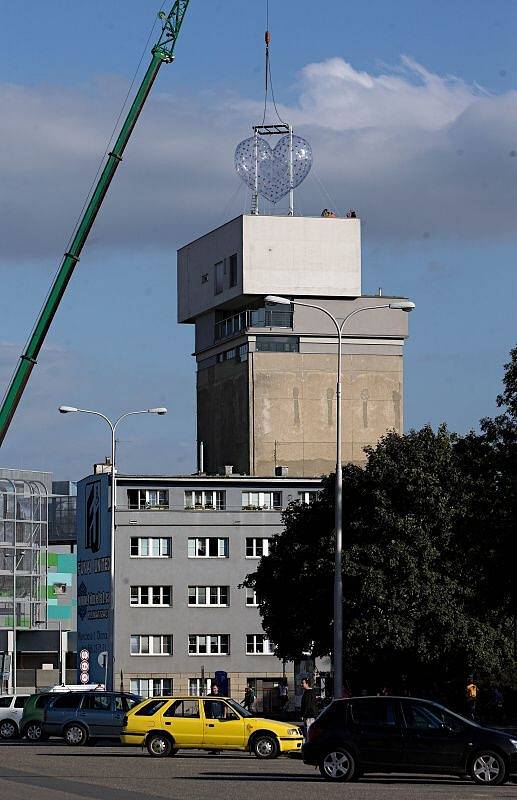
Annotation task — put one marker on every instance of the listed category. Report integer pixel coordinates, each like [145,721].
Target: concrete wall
[286,401]
[275,255]
[223,416]
[294,408]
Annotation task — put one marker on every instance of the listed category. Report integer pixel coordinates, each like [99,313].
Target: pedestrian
[308,707]
[214,710]
[249,699]
[284,695]
[471,693]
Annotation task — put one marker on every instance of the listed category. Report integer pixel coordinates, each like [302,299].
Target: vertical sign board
[94,634]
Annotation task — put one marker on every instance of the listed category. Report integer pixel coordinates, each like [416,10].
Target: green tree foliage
[428,568]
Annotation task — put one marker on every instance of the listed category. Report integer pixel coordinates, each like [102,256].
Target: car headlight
[514,742]
[296,732]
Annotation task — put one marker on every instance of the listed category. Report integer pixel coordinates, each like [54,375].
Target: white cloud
[412,150]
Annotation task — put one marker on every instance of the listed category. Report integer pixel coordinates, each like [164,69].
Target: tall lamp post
[403,305]
[113,426]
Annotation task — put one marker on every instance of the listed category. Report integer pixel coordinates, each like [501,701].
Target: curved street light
[161,410]
[399,305]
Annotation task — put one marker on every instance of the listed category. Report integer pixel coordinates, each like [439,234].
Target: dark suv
[404,734]
[79,716]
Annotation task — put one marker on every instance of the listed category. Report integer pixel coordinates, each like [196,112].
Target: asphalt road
[54,771]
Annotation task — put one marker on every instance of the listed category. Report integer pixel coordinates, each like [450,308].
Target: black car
[405,734]
[80,716]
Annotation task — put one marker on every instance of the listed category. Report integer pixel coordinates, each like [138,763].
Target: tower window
[233,270]
[278,344]
[219,277]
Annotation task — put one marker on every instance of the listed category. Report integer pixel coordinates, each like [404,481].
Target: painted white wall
[304,256]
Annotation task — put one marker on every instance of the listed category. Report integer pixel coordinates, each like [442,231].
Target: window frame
[140,539]
[255,604]
[233,270]
[208,637]
[150,595]
[208,594]
[255,540]
[157,685]
[268,647]
[257,500]
[223,544]
[196,682]
[215,503]
[143,502]
[165,638]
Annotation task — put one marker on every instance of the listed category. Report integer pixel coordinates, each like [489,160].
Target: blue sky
[411,109]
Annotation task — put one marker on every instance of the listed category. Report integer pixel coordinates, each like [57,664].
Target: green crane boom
[161,52]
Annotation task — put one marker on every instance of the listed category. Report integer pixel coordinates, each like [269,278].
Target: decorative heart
[273,165]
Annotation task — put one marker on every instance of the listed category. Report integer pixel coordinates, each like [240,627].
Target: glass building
[23,552]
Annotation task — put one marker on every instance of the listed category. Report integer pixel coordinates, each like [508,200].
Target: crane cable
[90,190]
[268,77]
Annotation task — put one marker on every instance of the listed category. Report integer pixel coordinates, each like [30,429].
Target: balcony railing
[253,318]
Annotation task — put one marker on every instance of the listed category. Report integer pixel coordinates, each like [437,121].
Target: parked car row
[349,738]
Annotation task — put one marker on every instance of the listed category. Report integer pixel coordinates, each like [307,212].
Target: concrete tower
[266,375]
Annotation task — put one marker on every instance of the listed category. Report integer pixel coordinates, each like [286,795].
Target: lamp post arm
[338,518]
[358,311]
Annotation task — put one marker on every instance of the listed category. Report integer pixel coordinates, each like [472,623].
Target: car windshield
[451,718]
[240,710]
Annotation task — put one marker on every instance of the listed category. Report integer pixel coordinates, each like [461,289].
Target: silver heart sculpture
[273,165]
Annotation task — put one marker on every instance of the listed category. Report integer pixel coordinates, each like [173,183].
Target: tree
[427,530]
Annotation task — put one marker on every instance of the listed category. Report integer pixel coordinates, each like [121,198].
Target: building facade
[266,374]
[37,580]
[183,546]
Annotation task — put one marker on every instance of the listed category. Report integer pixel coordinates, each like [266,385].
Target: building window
[253,501]
[257,547]
[271,317]
[219,277]
[251,597]
[233,270]
[208,547]
[229,326]
[151,687]
[199,686]
[206,499]
[307,497]
[230,354]
[151,596]
[277,344]
[208,595]
[152,645]
[151,547]
[139,499]
[258,645]
[205,644]
[242,353]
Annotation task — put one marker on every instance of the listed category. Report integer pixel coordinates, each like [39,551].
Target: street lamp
[400,305]
[113,426]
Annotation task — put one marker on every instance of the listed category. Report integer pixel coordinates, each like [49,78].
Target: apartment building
[183,546]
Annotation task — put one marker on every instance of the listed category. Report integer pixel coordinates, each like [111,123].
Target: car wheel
[75,735]
[34,732]
[338,765]
[488,768]
[265,746]
[8,729]
[174,751]
[159,746]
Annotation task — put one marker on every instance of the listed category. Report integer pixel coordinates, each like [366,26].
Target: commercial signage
[94,634]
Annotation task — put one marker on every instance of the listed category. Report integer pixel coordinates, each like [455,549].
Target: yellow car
[168,724]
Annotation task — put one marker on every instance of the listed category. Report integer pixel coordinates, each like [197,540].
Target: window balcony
[252,318]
